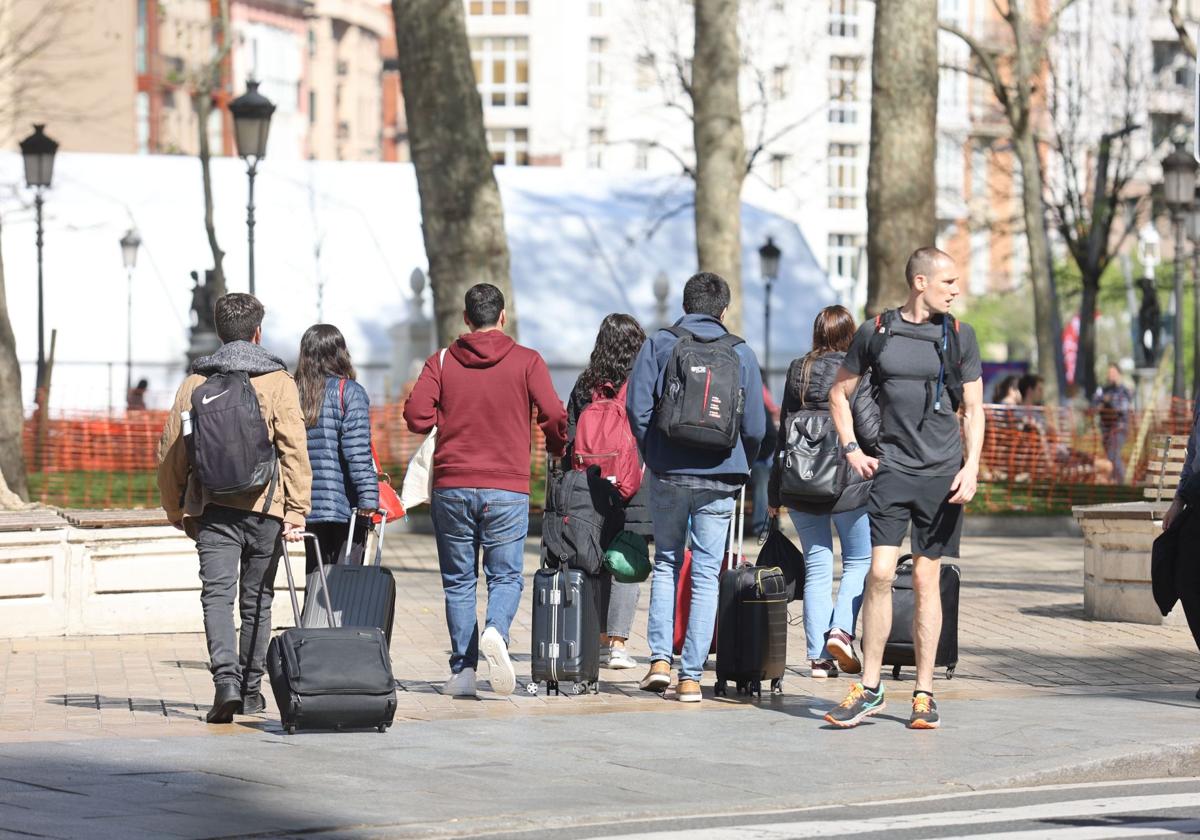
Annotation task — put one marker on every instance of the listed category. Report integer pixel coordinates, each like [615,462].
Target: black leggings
[331,536]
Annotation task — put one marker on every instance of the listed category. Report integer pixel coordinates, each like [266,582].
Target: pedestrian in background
[1113,403]
[337,415]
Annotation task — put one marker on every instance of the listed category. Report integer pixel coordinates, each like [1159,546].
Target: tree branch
[986,58]
[1185,39]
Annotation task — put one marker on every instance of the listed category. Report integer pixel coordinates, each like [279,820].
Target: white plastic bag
[417,488]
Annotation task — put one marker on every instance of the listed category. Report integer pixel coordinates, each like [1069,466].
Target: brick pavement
[1022,633]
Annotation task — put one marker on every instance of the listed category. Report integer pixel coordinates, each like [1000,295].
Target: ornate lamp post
[130,243]
[39,150]
[1179,189]
[662,287]
[251,123]
[768,261]
[1194,235]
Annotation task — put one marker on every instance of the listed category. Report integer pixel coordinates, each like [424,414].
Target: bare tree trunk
[901,185]
[12,412]
[202,100]
[462,217]
[1085,362]
[720,147]
[1045,314]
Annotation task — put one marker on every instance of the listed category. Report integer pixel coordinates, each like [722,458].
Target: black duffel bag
[583,515]
[778,551]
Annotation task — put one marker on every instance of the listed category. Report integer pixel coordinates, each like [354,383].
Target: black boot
[253,703]
[226,703]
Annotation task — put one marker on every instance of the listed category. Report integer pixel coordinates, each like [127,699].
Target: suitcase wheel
[950,672]
[721,688]
[895,672]
[777,685]
[580,688]
[383,727]
[594,686]
[531,688]
[291,730]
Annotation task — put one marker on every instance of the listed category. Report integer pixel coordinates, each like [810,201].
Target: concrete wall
[76,581]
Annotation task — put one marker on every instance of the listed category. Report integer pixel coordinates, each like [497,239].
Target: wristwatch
[852,446]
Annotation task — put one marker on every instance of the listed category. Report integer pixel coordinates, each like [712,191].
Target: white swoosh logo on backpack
[207,400]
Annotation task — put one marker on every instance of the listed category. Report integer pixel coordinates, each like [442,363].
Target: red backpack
[603,438]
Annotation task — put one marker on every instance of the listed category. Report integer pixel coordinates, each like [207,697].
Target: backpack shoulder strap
[883,331]
[342,394]
[731,340]
[680,332]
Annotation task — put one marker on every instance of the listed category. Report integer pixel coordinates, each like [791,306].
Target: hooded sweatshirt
[481,400]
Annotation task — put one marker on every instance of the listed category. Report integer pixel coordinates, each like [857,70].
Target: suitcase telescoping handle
[287,566]
[383,519]
[739,526]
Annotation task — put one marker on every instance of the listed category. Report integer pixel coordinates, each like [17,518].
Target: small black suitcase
[566,630]
[331,677]
[360,596]
[751,622]
[899,649]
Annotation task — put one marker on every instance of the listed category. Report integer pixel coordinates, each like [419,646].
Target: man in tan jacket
[237,535]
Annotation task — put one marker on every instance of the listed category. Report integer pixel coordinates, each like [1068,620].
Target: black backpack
[228,443]
[583,515]
[949,350]
[813,469]
[702,400]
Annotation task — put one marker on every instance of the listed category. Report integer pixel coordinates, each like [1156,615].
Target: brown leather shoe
[657,678]
[688,691]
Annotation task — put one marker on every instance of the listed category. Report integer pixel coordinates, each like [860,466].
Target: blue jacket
[645,388]
[339,450]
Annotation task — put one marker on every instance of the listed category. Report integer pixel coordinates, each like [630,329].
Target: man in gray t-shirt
[927,368]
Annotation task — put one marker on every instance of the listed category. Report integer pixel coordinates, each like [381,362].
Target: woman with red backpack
[617,344]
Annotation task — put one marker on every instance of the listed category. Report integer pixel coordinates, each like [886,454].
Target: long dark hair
[618,342]
[323,354]
[833,330]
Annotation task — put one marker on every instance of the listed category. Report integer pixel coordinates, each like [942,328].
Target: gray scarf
[238,355]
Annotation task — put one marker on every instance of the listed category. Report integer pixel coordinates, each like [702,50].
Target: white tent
[583,244]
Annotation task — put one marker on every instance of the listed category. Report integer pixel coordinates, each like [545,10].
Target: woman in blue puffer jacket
[337,414]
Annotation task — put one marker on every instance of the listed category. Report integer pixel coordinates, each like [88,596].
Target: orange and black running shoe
[924,712]
[858,705]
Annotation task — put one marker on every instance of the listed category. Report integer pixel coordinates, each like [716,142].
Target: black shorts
[898,498]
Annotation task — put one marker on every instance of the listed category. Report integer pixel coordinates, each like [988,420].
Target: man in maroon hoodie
[479,396]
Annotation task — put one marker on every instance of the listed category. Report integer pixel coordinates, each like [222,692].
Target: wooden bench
[1117,539]
[114,518]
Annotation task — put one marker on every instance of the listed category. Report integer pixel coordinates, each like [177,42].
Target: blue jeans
[710,512]
[465,520]
[816,537]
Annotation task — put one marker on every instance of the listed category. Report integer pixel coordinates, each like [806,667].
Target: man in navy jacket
[690,488]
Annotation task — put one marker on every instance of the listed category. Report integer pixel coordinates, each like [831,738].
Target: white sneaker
[605,655]
[502,675]
[620,660]
[461,684]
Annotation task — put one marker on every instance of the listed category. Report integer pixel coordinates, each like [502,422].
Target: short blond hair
[924,261]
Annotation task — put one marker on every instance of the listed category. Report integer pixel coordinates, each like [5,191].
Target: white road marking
[908,822]
[1160,828]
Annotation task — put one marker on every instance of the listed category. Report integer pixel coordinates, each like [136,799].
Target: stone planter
[1117,539]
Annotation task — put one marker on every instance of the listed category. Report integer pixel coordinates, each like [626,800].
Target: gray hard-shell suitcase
[899,650]
[360,596]
[566,630]
[330,677]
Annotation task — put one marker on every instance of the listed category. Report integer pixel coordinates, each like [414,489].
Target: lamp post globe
[130,243]
[416,282]
[38,151]
[661,288]
[251,124]
[768,256]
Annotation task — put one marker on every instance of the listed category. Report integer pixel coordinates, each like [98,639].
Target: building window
[843,257]
[596,141]
[597,47]
[481,8]
[509,146]
[641,155]
[843,18]
[645,71]
[596,8]
[501,70]
[779,82]
[312,43]
[778,175]
[843,176]
[843,89]
[950,167]
[143,37]
[312,107]
[142,112]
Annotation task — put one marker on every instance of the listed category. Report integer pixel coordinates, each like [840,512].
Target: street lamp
[768,261]
[1194,235]
[39,150]
[662,287]
[251,123]
[130,243]
[1179,188]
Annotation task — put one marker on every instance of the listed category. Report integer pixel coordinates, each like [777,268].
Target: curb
[1160,762]
[1017,525]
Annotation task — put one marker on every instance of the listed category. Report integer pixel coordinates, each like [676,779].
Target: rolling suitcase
[899,649]
[683,584]
[360,596]
[330,677]
[751,622]
[566,630]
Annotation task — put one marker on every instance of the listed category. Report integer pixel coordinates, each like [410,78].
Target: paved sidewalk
[1022,634]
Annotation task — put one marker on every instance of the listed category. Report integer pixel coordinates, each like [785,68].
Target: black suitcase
[566,630]
[751,625]
[360,596]
[899,649]
[331,677]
